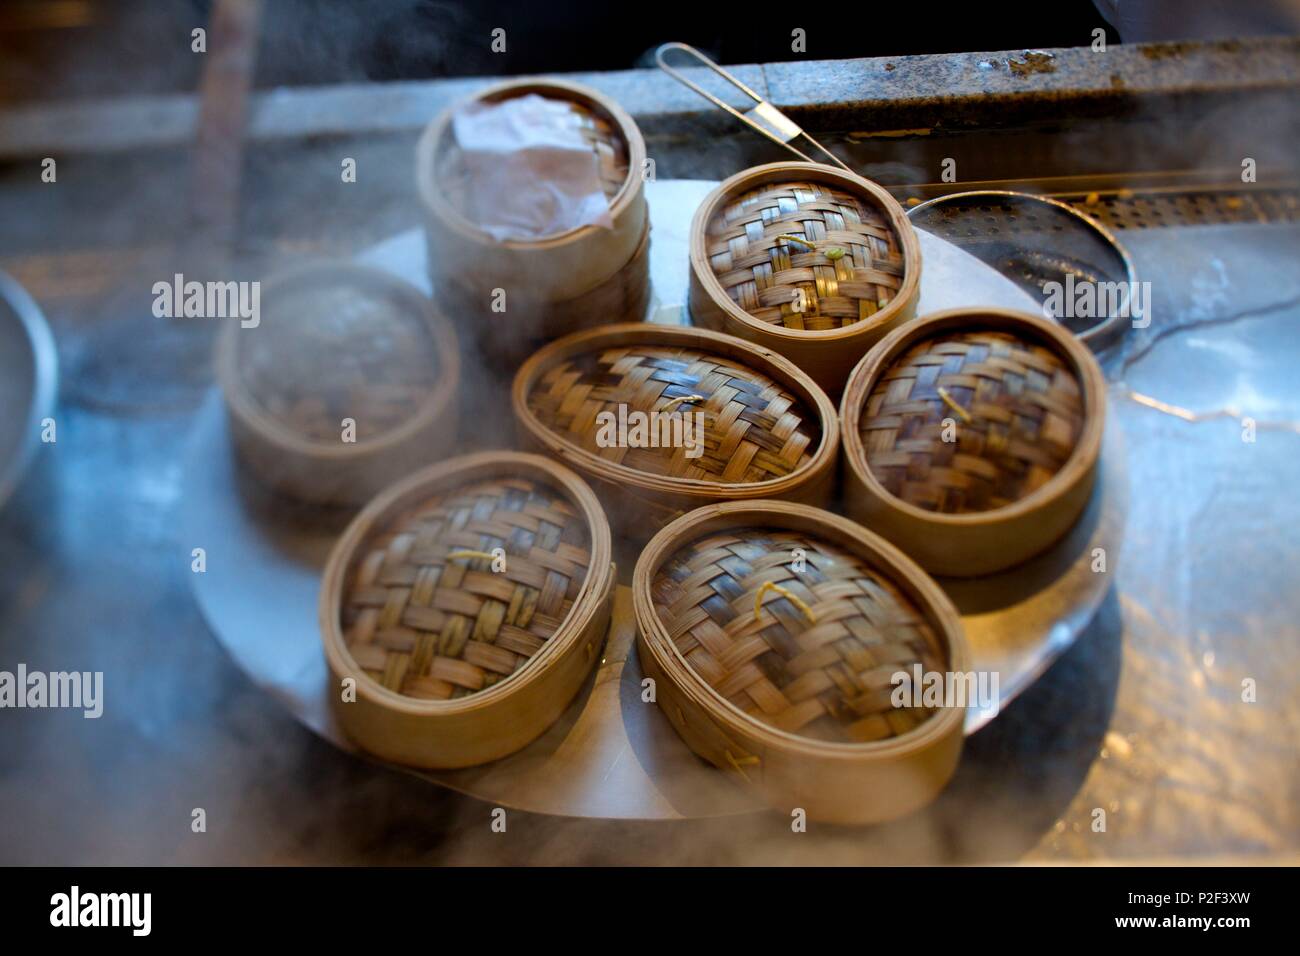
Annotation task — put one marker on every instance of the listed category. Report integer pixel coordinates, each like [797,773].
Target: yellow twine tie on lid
[952,403]
[785,593]
[673,402]
[488,555]
[831,252]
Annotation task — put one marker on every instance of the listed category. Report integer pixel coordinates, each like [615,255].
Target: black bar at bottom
[338,905]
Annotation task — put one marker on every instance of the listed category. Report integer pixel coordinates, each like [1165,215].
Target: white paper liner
[528,172]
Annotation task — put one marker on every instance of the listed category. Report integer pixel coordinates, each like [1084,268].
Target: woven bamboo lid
[773,633]
[972,436]
[808,651]
[808,260]
[1014,413]
[762,424]
[463,608]
[339,342]
[754,428]
[429,612]
[806,254]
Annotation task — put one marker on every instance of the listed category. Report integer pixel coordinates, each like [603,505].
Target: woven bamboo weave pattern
[608,145]
[754,430]
[1025,415]
[829,677]
[853,270]
[428,623]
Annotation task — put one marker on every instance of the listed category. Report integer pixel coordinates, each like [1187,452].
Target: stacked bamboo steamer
[773,632]
[807,260]
[349,381]
[765,429]
[972,438]
[463,608]
[780,636]
[517,294]
[466,604]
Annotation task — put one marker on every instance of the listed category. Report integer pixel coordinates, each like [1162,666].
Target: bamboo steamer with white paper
[534,212]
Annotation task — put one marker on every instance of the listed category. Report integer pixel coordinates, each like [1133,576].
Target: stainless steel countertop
[1142,718]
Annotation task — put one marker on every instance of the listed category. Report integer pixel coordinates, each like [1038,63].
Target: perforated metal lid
[1035,241]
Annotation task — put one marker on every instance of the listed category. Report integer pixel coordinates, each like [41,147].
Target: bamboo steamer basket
[557,283]
[769,431]
[1023,405]
[780,673]
[457,663]
[821,302]
[339,341]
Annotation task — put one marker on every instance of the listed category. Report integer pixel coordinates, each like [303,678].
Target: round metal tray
[610,755]
[28,381]
[1034,240]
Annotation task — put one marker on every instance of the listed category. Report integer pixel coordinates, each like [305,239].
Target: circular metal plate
[610,755]
[28,381]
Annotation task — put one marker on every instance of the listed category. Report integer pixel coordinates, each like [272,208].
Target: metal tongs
[763,118]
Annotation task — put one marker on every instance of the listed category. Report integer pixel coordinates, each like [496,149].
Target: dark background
[60,48]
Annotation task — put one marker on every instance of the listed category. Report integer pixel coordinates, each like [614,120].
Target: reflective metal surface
[611,755]
[28,381]
[1143,717]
